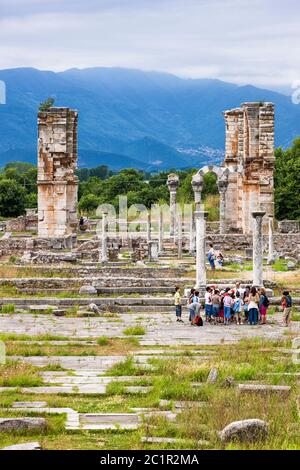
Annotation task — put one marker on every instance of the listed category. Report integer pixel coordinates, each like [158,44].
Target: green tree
[12,198]
[46,105]
[287,182]
[88,204]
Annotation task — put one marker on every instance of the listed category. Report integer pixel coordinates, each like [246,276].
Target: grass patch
[18,374]
[103,341]
[8,308]
[280,265]
[135,331]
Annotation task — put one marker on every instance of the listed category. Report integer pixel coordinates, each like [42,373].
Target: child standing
[227,307]
[237,308]
[178,307]
[286,303]
[263,306]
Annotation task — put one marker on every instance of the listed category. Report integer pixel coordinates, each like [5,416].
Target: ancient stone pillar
[173,184]
[104,251]
[153,251]
[258,280]
[192,233]
[271,252]
[197,184]
[200,217]
[57,182]
[160,231]
[149,226]
[222,186]
[179,237]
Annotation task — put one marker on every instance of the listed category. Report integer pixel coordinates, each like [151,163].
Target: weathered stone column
[222,186]
[104,253]
[197,184]
[258,280]
[192,234]
[160,231]
[271,252]
[173,184]
[57,181]
[149,226]
[201,249]
[179,237]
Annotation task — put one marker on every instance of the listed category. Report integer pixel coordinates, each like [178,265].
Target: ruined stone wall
[23,223]
[57,182]
[250,154]
[289,226]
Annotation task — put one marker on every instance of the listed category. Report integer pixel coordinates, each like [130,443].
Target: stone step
[109,421]
[128,302]
[265,389]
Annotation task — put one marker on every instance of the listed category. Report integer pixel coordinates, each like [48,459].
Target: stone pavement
[161,330]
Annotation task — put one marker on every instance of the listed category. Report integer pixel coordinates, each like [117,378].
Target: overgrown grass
[280,265]
[135,331]
[249,360]
[18,374]
[8,308]
[212,205]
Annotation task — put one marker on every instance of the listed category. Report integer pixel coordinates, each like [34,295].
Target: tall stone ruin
[57,182]
[250,157]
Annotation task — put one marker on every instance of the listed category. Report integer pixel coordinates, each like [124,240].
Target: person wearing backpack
[286,303]
[237,308]
[263,306]
[189,302]
[196,307]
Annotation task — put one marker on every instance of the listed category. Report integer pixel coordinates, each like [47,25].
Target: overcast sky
[242,41]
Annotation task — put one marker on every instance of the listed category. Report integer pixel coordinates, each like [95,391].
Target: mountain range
[130,118]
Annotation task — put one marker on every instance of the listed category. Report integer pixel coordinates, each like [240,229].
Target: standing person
[253,306]
[263,305]
[208,304]
[237,308]
[189,302]
[216,305]
[196,307]
[211,257]
[239,289]
[286,303]
[81,223]
[227,306]
[221,314]
[246,303]
[178,307]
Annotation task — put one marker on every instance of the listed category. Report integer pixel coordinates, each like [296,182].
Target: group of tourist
[239,306]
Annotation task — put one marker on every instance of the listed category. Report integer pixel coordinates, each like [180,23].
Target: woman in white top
[253,306]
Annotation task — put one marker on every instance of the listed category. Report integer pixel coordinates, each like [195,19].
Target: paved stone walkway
[160,329]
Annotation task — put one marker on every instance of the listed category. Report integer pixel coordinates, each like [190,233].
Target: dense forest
[18,189]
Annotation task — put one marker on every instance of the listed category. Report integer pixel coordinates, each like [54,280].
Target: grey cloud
[236,40]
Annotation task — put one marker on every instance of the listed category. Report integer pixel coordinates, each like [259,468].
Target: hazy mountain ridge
[129,117]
